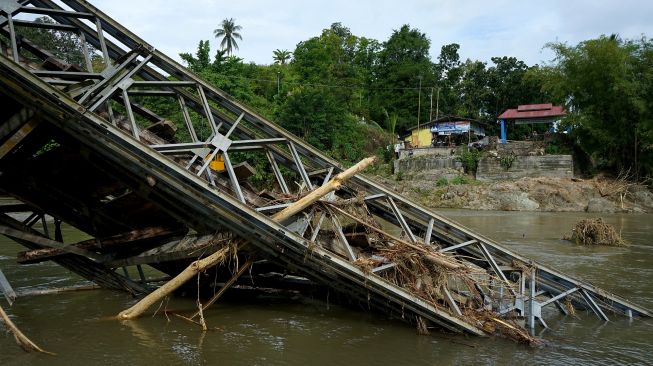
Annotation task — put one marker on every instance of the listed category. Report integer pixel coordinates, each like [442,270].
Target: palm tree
[281,56]
[229,33]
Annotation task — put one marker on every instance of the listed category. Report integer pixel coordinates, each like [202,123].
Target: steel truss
[83,102]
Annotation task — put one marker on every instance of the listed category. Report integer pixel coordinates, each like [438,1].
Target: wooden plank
[15,121]
[83,266]
[132,239]
[164,128]
[243,170]
[17,234]
[18,136]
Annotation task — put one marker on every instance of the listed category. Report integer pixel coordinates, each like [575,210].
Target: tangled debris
[595,232]
[440,279]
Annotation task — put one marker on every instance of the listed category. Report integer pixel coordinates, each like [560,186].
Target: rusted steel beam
[135,240]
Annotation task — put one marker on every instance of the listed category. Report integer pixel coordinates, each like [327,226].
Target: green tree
[201,60]
[229,32]
[334,61]
[402,61]
[473,90]
[607,85]
[314,115]
[449,73]
[66,46]
[281,57]
[509,86]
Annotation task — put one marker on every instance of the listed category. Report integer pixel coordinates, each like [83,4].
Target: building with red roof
[530,114]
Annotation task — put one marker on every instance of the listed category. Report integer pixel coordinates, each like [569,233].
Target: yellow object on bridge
[217,164]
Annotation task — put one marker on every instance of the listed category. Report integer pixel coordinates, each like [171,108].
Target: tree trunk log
[321,191]
[191,271]
[22,340]
[202,264]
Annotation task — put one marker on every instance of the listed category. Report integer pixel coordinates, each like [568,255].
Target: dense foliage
[350,96]
[607,86]
[337,87]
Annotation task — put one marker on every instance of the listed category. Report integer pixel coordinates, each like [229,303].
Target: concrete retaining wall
[556,166]
[429,162]
[440,151]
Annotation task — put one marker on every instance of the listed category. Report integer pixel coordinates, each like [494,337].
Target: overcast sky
[483,28]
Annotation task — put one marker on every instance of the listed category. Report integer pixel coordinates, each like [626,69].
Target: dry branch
[595,232]
[22,340]
[224,287]
[434,257]
[191,271]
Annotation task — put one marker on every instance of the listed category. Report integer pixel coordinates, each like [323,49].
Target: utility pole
[431,108]
[419,105]
[437,104]
[278,84]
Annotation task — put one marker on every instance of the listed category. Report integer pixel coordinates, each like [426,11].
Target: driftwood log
[201,265]
[22,340]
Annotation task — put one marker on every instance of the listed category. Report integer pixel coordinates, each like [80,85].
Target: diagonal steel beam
[401,219]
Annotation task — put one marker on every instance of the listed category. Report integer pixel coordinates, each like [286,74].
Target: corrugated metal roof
[533,111]
[534,107]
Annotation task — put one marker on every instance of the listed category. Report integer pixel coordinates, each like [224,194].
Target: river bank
[596,195]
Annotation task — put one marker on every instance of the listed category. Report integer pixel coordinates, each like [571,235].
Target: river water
[283,331]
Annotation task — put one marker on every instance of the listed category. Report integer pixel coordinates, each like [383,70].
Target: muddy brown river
[299,331]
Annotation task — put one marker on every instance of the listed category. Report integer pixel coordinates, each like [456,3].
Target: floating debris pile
[595,232]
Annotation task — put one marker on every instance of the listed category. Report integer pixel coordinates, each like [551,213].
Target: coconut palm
[281,56]
[229,33]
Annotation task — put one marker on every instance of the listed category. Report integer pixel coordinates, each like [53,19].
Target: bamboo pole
[202,264]
[167,288]
[321,191]
[22,340]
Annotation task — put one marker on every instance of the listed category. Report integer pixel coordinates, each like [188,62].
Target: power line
[274,81]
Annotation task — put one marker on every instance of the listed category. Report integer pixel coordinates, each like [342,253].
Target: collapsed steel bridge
[75,145]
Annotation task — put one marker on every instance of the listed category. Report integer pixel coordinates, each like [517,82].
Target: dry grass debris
[595,232]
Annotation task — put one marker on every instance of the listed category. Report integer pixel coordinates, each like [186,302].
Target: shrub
[552,149]
[441,182]
[507,160]
[460,179]
[469,158]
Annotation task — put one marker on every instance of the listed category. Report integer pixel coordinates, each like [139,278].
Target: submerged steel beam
[6,289]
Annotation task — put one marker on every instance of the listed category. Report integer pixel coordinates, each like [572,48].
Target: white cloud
[483,28]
